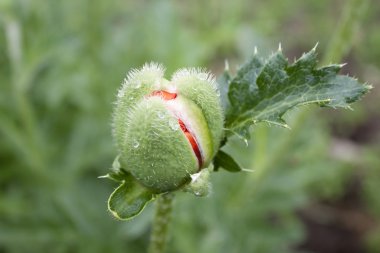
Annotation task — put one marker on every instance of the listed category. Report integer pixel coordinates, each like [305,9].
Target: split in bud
[167,130]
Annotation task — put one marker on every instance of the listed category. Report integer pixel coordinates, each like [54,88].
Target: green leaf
[262,91]
[225,161]
[129,199]
[223,86]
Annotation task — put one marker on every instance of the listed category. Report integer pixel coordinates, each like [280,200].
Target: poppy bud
[167,130]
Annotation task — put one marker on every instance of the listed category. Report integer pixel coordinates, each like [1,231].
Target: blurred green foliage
[61,63]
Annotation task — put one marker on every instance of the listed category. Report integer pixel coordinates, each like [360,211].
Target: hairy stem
[160,223]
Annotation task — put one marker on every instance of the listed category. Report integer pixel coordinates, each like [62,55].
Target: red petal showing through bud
[169,96]
[195,147]
[192,141]
[164,94]
[182,125]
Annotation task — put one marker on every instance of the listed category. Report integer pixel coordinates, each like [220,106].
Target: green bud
[167,130]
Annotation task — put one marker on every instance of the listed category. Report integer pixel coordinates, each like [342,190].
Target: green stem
[160,223]
[29,129]
[343,37]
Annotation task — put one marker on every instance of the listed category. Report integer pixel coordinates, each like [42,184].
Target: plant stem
[30,132]
[160,223]
[349,24]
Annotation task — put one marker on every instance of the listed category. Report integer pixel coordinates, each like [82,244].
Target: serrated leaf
[243,85]
[225,161]
[129,199]
[263,91]
[241,89]
[223,87]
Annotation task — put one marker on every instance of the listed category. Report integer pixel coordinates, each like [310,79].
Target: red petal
[195,147]
[164,94]
[182,125]
[169,96]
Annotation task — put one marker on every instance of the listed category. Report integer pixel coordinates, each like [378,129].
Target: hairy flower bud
[167,130]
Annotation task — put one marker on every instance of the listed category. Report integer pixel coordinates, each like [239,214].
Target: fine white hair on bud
[149,70]
[166,130]
[199,73]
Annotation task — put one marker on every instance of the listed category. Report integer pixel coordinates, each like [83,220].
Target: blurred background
[315,188]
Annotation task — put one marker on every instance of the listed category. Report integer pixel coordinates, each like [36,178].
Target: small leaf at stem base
[129,199]
[225,161]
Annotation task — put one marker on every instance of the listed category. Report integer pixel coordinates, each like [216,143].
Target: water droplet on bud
[160,114]
[137,85]
[174,124]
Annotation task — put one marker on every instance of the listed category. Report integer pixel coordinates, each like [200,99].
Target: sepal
[129,198]
[200,184]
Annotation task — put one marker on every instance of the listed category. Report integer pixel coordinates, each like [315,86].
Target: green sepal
[200,184]
[117,173]
[129,199]
[225,161]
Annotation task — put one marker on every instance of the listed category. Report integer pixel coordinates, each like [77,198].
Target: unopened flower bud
[167,130]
